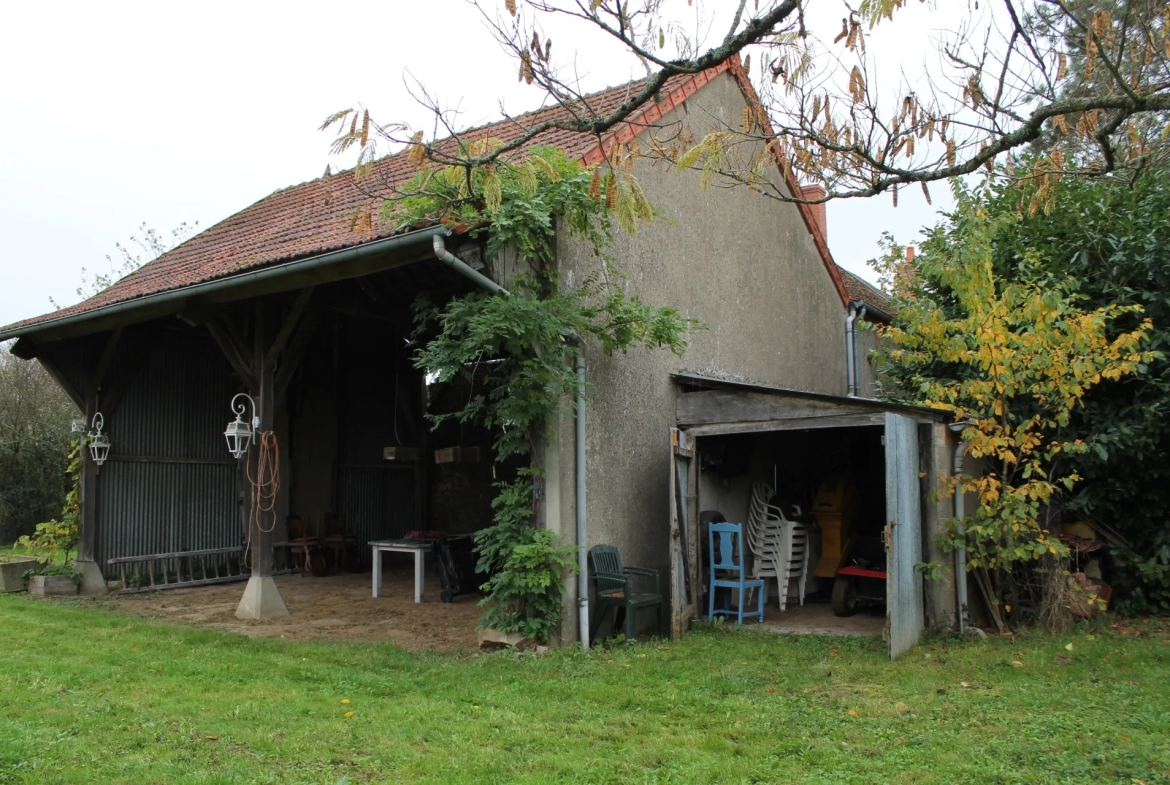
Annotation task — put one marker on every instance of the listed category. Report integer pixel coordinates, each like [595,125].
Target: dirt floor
[817,618]
[338,607]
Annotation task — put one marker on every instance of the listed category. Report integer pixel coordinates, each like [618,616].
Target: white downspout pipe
[857,310]
[850,319]
[960,514]
[466,270]
[856,353]
[582,511]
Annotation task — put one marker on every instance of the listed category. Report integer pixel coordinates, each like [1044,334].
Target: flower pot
[12,571]
[52,586]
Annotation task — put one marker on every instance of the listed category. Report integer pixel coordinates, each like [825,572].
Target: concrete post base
[92,581]
[261,600]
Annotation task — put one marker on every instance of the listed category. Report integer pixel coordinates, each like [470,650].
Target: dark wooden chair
[341,546]
[615,589]
[305,548]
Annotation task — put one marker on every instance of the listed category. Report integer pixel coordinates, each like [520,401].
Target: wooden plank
[677,591]
[683,491]
[236,550]
[693,533]
[801,424]
[171,459]
[387,466]
[735,406]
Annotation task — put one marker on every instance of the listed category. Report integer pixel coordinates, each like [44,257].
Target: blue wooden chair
[729,571]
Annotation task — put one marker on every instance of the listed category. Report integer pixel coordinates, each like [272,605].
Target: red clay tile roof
[860,289]
[318,216]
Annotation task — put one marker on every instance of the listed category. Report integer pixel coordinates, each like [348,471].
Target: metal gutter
[875,310]
[397,242]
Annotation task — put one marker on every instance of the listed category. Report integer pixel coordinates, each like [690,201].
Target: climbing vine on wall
[516,352]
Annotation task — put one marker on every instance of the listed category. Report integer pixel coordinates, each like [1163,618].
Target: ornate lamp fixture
[99,443]
[238,432]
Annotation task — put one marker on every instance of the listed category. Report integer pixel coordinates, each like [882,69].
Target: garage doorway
[831,492]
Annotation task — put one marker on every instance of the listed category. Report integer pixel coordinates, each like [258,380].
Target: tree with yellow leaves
[1015,360]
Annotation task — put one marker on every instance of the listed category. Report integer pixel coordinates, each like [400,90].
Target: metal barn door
[903,534]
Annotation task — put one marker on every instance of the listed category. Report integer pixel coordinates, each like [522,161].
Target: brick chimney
[817,210]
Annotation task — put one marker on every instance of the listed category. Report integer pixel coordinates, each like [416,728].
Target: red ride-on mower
[862,582]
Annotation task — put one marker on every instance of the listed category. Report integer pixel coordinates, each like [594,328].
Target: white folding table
[417,547]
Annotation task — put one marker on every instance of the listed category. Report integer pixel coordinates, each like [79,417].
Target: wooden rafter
[290,323]
[233,351]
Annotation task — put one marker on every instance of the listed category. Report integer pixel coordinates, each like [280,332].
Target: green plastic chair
[614,586]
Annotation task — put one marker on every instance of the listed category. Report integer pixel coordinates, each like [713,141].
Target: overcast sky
[119,113]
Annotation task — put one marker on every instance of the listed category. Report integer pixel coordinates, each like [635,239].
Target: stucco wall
[744,265]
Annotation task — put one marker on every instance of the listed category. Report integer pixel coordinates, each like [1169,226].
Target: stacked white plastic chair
[779,547]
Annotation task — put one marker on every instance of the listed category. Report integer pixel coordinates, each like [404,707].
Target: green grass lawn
[91,697]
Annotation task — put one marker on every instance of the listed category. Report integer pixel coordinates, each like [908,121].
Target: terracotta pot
[52,586]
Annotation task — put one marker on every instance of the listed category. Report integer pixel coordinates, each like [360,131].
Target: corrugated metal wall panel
[377,503]
[147,508]
[377,499]
[176,408]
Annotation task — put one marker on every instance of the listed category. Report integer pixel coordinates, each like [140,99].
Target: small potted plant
[55,540]
[53,580]
[56,575]
[13,566]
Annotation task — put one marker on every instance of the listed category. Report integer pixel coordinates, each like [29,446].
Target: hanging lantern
[239,432]
[99,443]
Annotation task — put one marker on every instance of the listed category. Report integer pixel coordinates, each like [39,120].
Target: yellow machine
[835,508]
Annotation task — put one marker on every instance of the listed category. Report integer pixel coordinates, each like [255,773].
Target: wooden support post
[85,548]
[92,579]
[262,530]
[261,598]
[421,473]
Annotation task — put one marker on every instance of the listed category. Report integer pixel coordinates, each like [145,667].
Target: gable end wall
[743,264]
